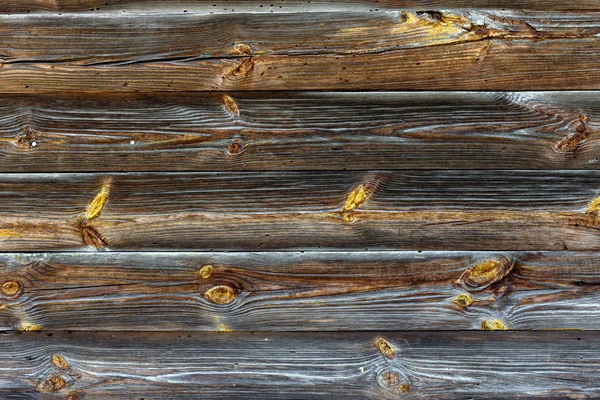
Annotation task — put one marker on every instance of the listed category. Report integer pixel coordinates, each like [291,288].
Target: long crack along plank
[393,50]
[299,131]
[416,210]
[385,365]
[291,291]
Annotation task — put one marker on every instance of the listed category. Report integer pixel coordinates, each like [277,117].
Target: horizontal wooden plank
[393,50]
[299,131]
[292,291]
[370,365]
[417,210]
[245,6]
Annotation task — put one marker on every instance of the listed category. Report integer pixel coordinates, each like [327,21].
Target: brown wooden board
[370,365]
[299,131]
[291,291]
[245,6]
[416,210]
[396,49]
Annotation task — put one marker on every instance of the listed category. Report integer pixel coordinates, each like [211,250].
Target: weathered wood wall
[299,199]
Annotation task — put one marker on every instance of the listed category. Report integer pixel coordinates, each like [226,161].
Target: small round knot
[10,288]
[386,349]
[53,383]
[221,294]
[235,147]
[393,380]
[206,272]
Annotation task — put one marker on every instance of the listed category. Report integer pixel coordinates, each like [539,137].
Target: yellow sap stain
[493,325]
[440,30]
[594,205]
[463,300]
[386,349]
[9,233]
[29,327]
[356,198]
[96,206]
[206,272]
[220,326]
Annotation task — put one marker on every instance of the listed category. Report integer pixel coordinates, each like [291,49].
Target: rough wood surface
[416,210]
[291,291]
[380,50]
[390,365]
[299,131]
[245,6]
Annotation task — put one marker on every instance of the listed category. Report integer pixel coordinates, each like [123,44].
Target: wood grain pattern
[393,50]
[431,365]
[245,6]
[299,131]
[292,291]
[417,210]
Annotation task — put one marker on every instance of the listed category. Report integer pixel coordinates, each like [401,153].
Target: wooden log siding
[379,50]
[282,200]
[188,365]
[92,7]
[415,210]
[299,131]
[290,291]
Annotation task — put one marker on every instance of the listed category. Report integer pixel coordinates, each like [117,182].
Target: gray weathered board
[299,199]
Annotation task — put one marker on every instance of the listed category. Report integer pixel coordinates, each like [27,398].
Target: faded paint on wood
[299,131]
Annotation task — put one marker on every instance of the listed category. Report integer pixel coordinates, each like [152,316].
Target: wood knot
[244,49]
[221,294]
[486,273]
[493,325]
[206,272]
[27,140]
[54,383]
[235,147]
[59,362]
[573,141]
[386,349]
[463,300]
[97,205]
[230,107]
[11,288]
[240,71]
[61,379]
[594,206]
[89,234]
[393,380]
[356,198]
[92,237]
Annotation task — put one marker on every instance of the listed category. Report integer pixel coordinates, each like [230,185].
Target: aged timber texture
[292,291]
[401,49]
[385,365]
[416,210]
[353,199]
[299,131]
